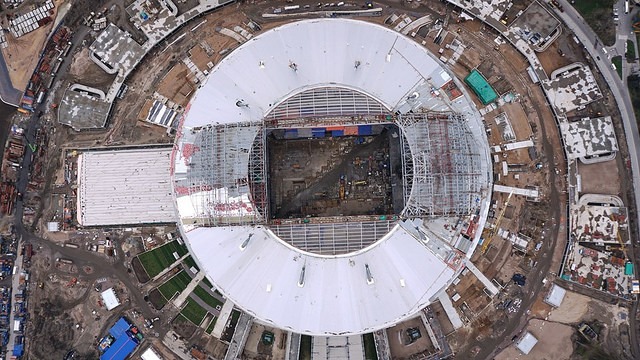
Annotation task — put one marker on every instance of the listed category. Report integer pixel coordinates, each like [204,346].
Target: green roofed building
[481,87]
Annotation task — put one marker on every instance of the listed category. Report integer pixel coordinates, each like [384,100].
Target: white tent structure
[110,299]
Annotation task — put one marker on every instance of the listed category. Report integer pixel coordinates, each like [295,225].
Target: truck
[64,261]
[41,95]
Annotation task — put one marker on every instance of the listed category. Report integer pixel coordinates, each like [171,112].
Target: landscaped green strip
[617,61]
[175,285]
[158,259]
[633,82]
[305,348]
[599,15]
[189,262]
[193,312]
[631,51]
[370,352]
[208,284]
[212,324]
[206,297]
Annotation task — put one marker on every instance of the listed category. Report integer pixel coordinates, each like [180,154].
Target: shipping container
[318,132]
[364,130]
[351,130]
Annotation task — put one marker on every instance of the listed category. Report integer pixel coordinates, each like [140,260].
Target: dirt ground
[61,311]
[310,185]
[85,71]
[255,349]
[600,178]
[574,307]
[22,54]
[398,339]
[553,342]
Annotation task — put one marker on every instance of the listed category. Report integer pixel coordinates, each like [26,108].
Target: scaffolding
[326,102]
[441,168]
[333,238]
[226,178]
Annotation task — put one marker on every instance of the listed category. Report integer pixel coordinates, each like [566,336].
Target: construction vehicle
[489,233]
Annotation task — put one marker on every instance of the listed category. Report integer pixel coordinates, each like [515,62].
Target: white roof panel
[336,297]
[130,186]
[555,296]
[267,62]
[110,299]
[252,267]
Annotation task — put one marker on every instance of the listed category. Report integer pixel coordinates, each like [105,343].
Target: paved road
[8,94]
[101,266]
[586,35]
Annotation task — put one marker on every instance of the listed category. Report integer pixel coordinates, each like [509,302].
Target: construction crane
[490,233]
[72,282]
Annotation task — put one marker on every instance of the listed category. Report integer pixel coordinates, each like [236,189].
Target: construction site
[334,172]
[507,162]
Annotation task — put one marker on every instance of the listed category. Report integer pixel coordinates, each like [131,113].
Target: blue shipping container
[337,132]
[365,130]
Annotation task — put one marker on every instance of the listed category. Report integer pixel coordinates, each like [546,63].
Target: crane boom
[492,232]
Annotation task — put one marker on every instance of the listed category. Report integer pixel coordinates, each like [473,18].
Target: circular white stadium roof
[361,291]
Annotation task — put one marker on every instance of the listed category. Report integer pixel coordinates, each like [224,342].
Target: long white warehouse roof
[125,187]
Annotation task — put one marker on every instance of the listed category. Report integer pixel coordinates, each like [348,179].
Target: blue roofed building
[120,327]
[121,342]
[121,348]
[18,350]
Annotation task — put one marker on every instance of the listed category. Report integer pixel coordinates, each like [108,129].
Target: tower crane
[490,233]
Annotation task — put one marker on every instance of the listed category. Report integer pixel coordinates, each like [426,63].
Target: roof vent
[369,276]
[245,242]
[301,280]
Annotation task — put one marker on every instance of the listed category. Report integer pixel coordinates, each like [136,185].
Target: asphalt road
[82,258]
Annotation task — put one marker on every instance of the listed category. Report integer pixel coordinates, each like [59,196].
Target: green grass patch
[599,15]
[631,51]
[206,297]
[588,7]
[617,61]
[305,348]
[208,284]
[175,285]
[370,352]
[158,259]
[193,312]
[212,324]
[189,262]
[633,82]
